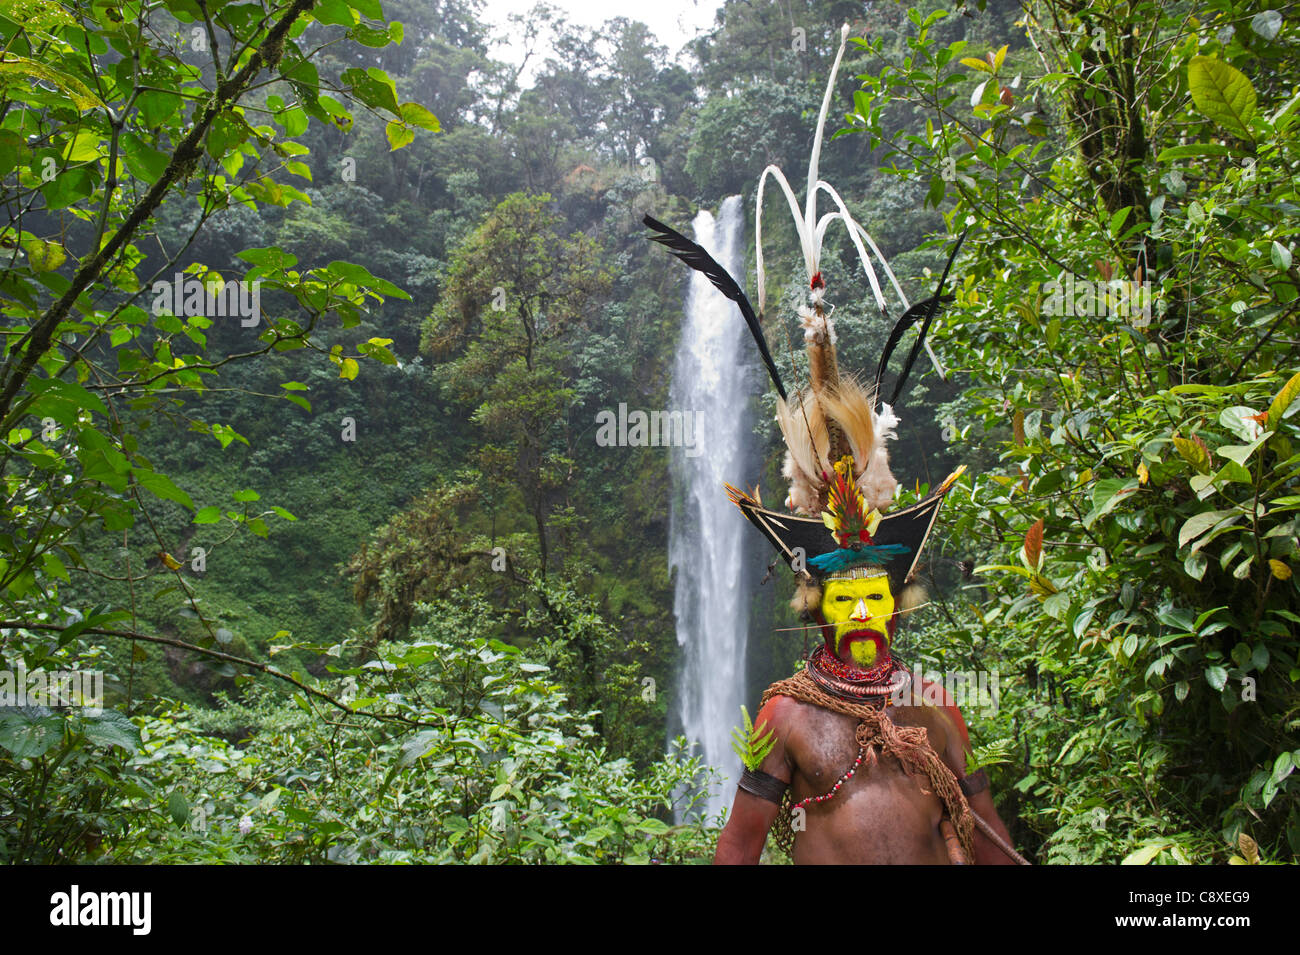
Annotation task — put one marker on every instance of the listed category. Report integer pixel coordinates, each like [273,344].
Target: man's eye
[841,597]
[876,597]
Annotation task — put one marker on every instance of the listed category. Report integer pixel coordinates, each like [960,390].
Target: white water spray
[708,537]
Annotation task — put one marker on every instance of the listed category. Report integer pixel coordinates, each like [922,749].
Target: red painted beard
[882,645]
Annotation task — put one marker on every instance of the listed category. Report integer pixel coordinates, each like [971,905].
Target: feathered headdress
[836,461]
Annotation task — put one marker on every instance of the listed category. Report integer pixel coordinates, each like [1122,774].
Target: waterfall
[708,537]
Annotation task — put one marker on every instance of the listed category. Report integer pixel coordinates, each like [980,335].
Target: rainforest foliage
[309,309]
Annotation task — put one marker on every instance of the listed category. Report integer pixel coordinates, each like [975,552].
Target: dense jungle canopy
[360,581]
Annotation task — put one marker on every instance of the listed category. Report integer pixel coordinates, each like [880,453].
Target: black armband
[976,782]
[763,785]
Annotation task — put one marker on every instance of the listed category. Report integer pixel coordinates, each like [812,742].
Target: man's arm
[986,853]
[981,802]
[741,840]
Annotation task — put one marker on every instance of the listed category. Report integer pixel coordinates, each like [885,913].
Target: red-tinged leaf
[1034,545]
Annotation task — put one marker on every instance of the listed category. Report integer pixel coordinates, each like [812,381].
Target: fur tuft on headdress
[807,599]
[913,596]
[804,426]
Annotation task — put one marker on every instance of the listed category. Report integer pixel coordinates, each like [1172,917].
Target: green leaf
[142,160]
[19,71]
[399,135]
[161,486]
[1267,23]
[1179,618]
[29,732]
[208,515]
[106,464]
[1174,153]
[360,276]
[54,567]
[178,808]
[368,36]
[377,348]
[1216,676]
[69,391]
[1241,453]
[12,146]
[1118,219]
[1145,854]
[333,12]
[157,106]
[413,114]
[1222,93]
[1280,255]
[418,746]
[1282,767]
[1240,421]
[270,257]
[44,256]
[1283,401]
[112,728]
[1193,453]
[1199,524]
[938,189]
[373,87]
[1106,495]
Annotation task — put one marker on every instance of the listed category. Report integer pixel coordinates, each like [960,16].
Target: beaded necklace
[849,682]
[802,803]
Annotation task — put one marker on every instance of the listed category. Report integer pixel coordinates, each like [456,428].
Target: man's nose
[860,612]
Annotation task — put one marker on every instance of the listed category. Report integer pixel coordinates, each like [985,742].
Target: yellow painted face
[859,610]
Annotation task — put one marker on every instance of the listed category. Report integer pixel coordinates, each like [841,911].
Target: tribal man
[891,801]
[849,762]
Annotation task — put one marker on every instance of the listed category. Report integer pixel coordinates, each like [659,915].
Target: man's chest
[823,747]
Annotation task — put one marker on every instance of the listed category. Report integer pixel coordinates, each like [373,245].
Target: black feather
[694,255]
[928,308]
[917,311]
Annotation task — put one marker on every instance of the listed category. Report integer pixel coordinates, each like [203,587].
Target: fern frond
[751,744]
[991,754]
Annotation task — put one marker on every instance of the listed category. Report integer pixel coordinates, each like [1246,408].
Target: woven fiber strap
[764,786]
[877,735]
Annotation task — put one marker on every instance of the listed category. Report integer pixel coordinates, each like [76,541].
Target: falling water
[708,540]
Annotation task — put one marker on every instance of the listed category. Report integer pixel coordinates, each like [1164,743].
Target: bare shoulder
[777,713]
